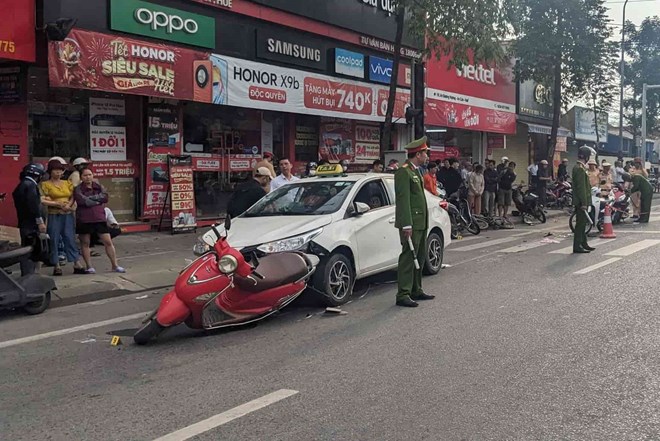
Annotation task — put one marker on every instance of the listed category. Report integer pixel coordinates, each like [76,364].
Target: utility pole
[645,88]
[621,74]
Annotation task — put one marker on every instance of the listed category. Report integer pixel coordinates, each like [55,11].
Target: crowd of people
[65,201]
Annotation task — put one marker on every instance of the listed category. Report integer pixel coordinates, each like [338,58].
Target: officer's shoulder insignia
[405,165]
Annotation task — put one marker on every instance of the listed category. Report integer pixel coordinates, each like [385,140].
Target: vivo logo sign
[380,70]
[160,20]
[349,63]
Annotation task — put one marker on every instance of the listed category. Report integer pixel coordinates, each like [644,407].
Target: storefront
[532,140]
[139,83]
[469,111]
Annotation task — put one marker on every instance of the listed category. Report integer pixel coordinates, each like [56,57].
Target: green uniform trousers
[580,236]
[646,197]
[409,279]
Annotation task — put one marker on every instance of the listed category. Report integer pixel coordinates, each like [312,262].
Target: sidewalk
[152,261]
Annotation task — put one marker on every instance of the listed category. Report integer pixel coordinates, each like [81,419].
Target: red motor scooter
[221,289]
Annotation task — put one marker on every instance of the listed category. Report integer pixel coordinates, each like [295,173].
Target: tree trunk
[556,102]
[596,123]
[386,137]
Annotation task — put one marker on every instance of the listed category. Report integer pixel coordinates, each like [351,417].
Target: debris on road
[334,311]
[142,297]
[445,266]
[549,240]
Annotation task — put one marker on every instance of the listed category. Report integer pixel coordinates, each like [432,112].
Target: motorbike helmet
[79,161]
[585,152]
[34,171]
[627,177]
[311,168]
[58,159]
[344,165]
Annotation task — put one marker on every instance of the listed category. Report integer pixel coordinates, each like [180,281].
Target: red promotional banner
[475,97]
[111,63]
[17,32]
[444,153]
[182,194]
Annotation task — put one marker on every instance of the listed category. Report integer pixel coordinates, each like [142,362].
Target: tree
[471,30]
[563,43]
[643,66]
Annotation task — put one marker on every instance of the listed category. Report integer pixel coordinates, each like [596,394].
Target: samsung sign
[380,70]
[291,48]
[349,63]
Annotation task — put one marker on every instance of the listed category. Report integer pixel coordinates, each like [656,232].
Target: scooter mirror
[228,222]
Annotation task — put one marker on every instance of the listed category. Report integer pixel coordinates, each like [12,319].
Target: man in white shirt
[285,177]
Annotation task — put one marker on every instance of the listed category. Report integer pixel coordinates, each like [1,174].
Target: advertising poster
[107,129]
[182,194]
[367,144]
[17,36]
[163,139]
[336,140]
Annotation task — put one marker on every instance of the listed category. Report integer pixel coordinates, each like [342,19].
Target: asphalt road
[516,346]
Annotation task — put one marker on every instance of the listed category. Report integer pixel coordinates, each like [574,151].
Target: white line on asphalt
[597,266]
[631,249]
[638,231]
[486,244]
[230,415]
[33,338]
[569,250]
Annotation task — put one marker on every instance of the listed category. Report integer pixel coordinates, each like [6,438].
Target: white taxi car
[347,220]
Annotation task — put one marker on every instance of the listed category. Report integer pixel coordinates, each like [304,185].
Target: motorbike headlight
[289,244]
[201,247]
[227,264]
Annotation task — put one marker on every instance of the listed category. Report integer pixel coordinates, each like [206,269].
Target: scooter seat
[9,258]
[277,270]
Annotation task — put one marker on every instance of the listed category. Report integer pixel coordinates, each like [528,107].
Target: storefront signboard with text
[107,129]
[163,23]
[115,64]
[475,97]
[18,30]
[344,139]
[114,169]
[182,193]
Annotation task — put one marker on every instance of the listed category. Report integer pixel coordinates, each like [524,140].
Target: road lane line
[227,416]
[486,244]
[33,338]
[597,266]
[632,249]
[569,250]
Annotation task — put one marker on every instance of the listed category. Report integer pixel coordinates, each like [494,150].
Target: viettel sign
[155,21]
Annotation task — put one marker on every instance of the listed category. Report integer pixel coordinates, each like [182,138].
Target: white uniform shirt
[281,181]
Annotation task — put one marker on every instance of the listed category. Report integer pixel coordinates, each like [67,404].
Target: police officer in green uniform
[412,222]
[581,200]
[641,184]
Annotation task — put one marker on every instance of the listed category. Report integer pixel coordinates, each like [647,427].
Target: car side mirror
[360,208]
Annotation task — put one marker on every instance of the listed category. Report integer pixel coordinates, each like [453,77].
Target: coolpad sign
[380,70]
[349,63]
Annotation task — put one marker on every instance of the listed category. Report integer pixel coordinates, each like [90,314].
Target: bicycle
[493,222]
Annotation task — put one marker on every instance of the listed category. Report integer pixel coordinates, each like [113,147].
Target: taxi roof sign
[330,170]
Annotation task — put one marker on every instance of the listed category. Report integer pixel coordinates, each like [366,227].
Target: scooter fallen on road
[221,289]
[31,293]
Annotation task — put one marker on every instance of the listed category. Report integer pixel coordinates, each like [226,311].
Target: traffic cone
[608,230]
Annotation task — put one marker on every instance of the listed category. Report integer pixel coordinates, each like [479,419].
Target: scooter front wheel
[39,306]
[148,332]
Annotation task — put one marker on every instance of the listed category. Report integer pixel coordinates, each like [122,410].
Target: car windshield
[303,199]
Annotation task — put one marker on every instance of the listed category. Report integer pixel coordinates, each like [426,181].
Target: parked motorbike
[222,289]
[559,195]
[621,206]
[460,214]
[31,293]
[528,205]
[599,200]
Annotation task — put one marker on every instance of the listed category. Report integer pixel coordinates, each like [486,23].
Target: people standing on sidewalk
[430,182]
[505,189]
[453,179]
[542,180]
[411,218]
[476,186]
[502,166]
[443,172]
[533,170]
[248,193]
[593,173]
[268,163]
[91,198]
[562,171]
[377,166]
[57,195]
[581,200]
[619,171]
[78,165]
[490,189]
[27,201]
[286,177]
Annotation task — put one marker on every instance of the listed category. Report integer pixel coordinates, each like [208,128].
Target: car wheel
[334,280]
[435,251]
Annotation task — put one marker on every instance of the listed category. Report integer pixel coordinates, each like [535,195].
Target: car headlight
[227,264]
[289,244]
[201,247]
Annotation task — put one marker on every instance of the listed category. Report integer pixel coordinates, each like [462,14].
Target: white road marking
[569,250]
[486,244]
[631,249]
[597,266]
[525,247]
[33,338]
[226,417]
[638,231]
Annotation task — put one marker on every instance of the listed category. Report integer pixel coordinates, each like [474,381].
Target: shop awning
[546,130]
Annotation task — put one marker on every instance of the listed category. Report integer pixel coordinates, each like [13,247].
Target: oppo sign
[160,20]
